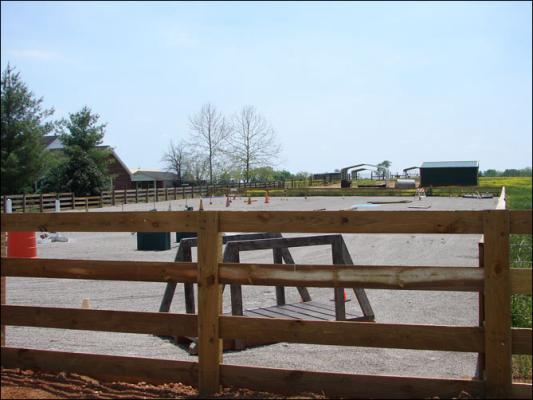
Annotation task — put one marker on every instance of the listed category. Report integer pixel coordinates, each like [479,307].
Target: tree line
[508,172]
[219,149]
[26,166]
[239,148]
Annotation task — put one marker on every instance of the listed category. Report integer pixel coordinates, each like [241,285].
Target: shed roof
[450,164]
[144,175]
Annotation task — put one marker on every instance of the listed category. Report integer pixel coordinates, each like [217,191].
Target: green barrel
[153,240]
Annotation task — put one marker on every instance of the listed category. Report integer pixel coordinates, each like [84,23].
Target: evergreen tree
[23,156]
[84,171]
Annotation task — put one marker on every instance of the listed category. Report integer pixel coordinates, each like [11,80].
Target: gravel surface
[391,306]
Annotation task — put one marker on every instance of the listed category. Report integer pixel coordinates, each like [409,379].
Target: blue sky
[342,83]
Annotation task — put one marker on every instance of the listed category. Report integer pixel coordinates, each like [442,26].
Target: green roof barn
[449,173]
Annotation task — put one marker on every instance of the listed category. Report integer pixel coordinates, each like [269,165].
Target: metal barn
[449,173]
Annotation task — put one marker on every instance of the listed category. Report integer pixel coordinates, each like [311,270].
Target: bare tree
[253,143]
[210,133]
[176,159]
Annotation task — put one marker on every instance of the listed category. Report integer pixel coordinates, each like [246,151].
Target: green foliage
[84,168]
[23,156]
[508,172]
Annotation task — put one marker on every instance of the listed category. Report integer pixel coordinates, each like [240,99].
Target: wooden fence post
[125,196]
[136,194]
[209,303]
[3,285]
[175,193]
[480,368]
[41,207]
[24,202]
[73,198]
[113,196]
[101,199]
[497,293]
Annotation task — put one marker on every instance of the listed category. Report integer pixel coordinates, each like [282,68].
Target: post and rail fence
[493,338]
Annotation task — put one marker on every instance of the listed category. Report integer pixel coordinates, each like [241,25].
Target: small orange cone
[201,208]
[345,296]
[267,199]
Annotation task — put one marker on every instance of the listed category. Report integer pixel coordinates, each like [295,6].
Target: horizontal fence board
[147,271]
[352,221]
[521,340]
[144,221]
[376,277]
[520,222]
[521,280]
[103,367]
[292,382]
[152,323]
[521,391]
[364,334]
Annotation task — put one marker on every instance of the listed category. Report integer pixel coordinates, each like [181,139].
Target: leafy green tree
[282,175]
[23,156]
[84,171]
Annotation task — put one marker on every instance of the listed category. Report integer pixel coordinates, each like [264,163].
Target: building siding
[449,176]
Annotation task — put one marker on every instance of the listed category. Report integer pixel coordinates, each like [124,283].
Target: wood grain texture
[147,271]
[209,303]
[152,323]
[335,385]
[520,221]
[497,304]
[131,221]
[353,221]
[364,334]
[103,367]
[521,391]
[375,277]
[521,340]
[521,280]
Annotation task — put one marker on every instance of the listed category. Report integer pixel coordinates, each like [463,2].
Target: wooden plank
[283,242]
[365,334]
[335,385]
[369,276]
[521,221]
[337,258]
[521,340]
[147,271]
[497,304]
[521,391]
[353,222]
[103,367]
[3,286]
[521,280]
[280,290]
[287,257]
[209,303]
[313,313]
[131,221]
[152,323]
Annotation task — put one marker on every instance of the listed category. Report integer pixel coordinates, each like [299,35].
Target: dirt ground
[28,384]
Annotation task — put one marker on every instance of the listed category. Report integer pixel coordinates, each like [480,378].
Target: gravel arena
[390,306]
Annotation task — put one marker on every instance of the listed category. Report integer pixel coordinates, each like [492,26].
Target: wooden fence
[493,338]
[43,202]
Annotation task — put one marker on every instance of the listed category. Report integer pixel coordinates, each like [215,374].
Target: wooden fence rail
[494,338]
[43,202]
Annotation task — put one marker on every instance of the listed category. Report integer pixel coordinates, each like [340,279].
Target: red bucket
[21,244]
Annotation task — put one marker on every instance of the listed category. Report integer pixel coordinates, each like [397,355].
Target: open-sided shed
[449,173]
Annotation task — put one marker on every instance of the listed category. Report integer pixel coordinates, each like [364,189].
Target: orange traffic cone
[201,207]
[345,297]
[267,199]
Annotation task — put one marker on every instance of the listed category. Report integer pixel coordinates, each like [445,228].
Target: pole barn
[449,173]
